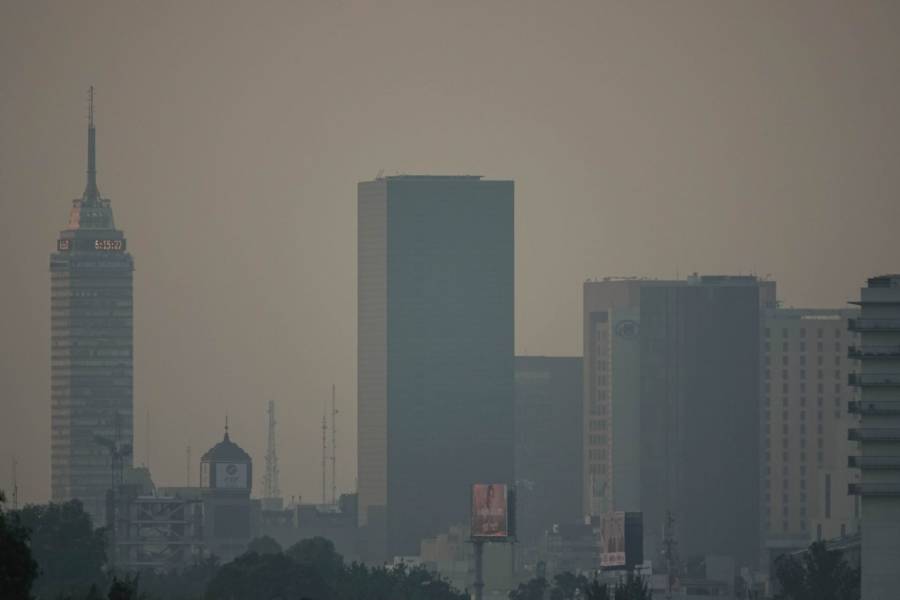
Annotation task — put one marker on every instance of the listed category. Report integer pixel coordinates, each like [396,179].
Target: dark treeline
[567,586]
[52,552]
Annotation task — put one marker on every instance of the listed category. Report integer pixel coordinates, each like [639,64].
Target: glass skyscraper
[435,363]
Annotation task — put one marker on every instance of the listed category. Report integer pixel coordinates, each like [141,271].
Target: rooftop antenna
[334,413]
[270,479]
[91,191]
[188,466]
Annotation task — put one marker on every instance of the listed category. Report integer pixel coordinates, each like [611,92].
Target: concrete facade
[804,424]
[878,434]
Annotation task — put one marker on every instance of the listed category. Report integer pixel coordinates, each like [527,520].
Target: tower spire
[90,190]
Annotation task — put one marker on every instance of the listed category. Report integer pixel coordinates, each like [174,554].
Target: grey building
[91,349]
[671,405]
[548,443]
[435,353]
[878,434]
[700,414]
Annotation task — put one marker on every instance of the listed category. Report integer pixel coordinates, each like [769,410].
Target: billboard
[612,539]
[231,475]
[490,511]
[621,539]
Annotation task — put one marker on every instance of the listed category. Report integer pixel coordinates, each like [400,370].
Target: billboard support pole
[479,568]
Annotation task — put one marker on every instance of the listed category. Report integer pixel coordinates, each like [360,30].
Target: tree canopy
[817,574]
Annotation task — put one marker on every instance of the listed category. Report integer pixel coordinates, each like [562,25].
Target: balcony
[865,325]
[874,379]
[874,434]
[881,488]
[859,352]
[884,408]
[874,462]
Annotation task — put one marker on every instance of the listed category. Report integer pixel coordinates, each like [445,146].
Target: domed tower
[226,466]
[226,476]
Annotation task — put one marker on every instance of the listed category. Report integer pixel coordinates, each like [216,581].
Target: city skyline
[226,212]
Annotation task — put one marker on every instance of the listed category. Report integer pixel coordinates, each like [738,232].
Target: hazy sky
[648,138]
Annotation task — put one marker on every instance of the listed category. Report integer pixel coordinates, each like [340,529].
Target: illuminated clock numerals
[109,245]
[63,245]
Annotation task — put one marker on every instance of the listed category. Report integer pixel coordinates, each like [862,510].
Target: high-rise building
[548,443]
[878,434]
[611,421]
[91,349]
[671,401]
[804,424]
[435,353]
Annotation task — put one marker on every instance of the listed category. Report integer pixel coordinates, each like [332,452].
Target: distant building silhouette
[548,443]
[803,402]
[672,410]
[435,364]
[91,349]
[878,434]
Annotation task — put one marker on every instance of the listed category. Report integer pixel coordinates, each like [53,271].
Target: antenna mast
[271,489]
[147,439]
[15,486]
[334,413]
[324,452]
[187,465]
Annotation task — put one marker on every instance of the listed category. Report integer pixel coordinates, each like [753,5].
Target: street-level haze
[652,139]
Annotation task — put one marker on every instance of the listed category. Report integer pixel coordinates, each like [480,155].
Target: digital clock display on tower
[63,245]
[109,245]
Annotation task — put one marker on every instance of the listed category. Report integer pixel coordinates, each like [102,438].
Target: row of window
[786,389]
[786,347]
[820,332]
[820,360]
[786,375]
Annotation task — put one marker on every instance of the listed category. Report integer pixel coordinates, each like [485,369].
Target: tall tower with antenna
[271,488]
[91,346]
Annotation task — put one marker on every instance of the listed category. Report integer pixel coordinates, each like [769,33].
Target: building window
[784,360]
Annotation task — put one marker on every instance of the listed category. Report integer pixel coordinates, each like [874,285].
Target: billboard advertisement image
[490,511]
[612,539]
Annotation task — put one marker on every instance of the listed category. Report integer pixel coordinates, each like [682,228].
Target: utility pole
[334,413]
[479,569]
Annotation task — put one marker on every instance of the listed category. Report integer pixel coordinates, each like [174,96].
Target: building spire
[91,192]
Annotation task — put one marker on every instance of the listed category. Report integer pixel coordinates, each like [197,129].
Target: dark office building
[699,414]
[548,443]
[435,343]
[91,348]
